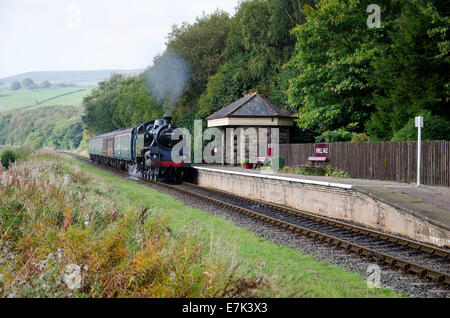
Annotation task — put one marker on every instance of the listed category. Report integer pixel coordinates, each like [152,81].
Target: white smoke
[167,79]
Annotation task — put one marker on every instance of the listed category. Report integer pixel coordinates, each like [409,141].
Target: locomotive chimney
[168,118]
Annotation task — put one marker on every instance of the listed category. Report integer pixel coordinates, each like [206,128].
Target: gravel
[398,281]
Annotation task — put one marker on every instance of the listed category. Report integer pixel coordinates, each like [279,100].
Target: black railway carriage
[147,146]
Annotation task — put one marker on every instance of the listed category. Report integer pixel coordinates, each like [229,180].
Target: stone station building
[257,121]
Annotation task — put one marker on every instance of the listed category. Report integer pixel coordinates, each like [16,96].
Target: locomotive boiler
[147,148]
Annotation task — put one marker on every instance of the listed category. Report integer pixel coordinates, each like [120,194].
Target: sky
[61,35]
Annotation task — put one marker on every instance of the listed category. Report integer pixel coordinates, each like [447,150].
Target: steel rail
[422,247]
[376,256]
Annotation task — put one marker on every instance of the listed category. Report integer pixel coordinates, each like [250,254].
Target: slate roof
[251,105]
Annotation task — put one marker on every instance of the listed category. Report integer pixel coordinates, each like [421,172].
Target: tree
[45,84]
[332,87]
[27,82]
[202,46]
[15,86]
[7,157]
[101,104]
[135,104]
[411,73]
[435,128]
[67,134]
[258,45]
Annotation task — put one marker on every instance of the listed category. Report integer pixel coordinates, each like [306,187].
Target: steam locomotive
[147,148]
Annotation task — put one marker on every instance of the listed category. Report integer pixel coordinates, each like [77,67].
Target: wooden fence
[396,161]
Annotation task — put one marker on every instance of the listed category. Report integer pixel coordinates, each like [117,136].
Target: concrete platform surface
[429,203]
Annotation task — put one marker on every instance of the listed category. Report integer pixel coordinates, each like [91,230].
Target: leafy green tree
[45,84]
[7,157]
[435,128]
[27,82]
[58,126]
[135,104]
[67,134]
[258,45]
[332,63]
[15,86]
[202,45]
[411,71]
[228,85]
[101,105]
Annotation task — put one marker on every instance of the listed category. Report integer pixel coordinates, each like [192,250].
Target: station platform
[431,204]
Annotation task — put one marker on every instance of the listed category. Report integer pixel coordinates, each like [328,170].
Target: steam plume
[167,79]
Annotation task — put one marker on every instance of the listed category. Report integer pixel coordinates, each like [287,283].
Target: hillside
[26,98]
[56,126]
[67,76]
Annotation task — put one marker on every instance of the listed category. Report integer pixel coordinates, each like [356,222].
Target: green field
[38,97]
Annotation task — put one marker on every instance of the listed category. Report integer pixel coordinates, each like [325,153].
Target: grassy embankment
[130,240]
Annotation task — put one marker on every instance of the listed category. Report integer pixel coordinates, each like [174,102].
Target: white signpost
[419,125]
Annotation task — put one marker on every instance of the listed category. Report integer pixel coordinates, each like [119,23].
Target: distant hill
[68,76]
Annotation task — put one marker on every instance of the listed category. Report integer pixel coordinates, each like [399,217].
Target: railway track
[425,261]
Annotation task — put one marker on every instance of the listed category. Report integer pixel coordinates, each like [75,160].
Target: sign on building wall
[321,150]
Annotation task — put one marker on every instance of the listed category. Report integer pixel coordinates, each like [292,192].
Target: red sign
[269,150]
[321,150]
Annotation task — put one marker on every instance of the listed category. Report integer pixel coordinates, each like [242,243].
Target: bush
[317,171]
[339,135]
[56,219]
[434,128]
[359,137]
[339,174]
[7,156]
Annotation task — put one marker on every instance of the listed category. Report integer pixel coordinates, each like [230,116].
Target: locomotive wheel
[180,175]
[150,174]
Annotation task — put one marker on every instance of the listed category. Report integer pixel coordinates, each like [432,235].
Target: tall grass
[65,233]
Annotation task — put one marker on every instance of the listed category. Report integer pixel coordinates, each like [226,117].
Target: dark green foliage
[119,102]
[339,135]
[67,134]
[202,46]
[258,45]
[411,72]
[228,85]
[135,103]
[343,80]
[7,157]
[101,105]
[435,128]
[334,49]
